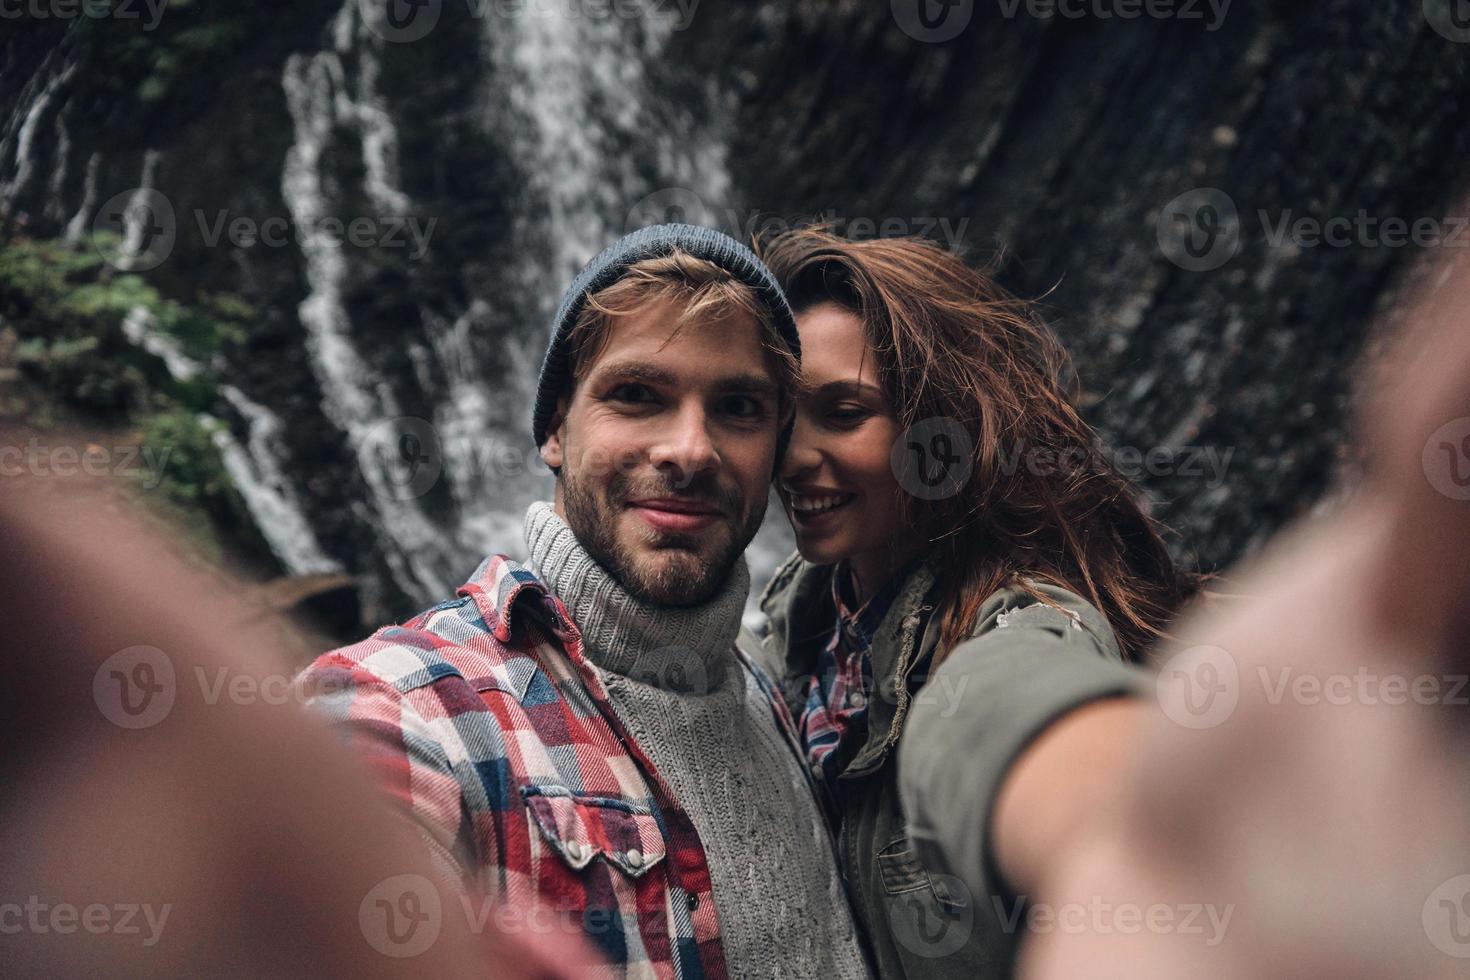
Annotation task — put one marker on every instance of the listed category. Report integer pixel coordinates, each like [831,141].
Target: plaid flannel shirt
[482,716]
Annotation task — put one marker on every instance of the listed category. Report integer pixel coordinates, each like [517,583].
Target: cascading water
[578,110]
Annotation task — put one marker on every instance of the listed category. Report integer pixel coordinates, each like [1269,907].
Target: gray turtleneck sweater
[674,681]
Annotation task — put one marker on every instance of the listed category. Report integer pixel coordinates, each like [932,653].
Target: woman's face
[836,482]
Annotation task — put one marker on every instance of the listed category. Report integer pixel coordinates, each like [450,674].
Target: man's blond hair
[709,296]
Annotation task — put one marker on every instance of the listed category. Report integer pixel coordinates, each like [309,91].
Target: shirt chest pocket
[581,830]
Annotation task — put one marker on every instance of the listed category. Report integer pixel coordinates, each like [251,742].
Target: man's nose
[686,444]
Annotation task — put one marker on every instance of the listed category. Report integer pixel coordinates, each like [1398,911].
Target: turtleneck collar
[684,648]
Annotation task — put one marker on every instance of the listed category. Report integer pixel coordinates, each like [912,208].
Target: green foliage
[68,308]
[63,308]
[189,472]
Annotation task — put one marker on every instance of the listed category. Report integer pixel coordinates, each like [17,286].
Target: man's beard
[684,576]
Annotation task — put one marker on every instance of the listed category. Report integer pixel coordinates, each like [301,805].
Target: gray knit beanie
[610,265]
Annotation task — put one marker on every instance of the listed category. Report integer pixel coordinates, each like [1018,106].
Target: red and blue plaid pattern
[834,718]
[483,717]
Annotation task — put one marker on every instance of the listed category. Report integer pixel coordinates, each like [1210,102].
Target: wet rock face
[1213,338]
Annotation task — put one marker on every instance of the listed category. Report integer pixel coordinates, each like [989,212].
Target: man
[579,735]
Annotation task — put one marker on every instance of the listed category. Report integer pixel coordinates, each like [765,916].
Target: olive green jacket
[924,889]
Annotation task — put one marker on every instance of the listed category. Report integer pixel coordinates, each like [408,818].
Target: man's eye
[744,406]
[633,393]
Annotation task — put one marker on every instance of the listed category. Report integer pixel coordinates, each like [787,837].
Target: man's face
[666,450]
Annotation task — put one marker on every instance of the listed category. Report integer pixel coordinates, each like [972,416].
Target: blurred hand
[169,809]
[1302,804]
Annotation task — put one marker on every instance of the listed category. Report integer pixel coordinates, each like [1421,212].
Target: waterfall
[597,140]
[579,88]
[267,491]
[254,468]
[580,109]
[322,95]
[23,139]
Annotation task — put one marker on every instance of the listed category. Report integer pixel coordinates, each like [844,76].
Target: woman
[949,502]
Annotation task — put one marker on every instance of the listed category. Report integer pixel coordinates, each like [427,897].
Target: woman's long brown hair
[950,343]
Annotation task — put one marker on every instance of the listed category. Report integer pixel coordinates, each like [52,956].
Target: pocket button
[634,858]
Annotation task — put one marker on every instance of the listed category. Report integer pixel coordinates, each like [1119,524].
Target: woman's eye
[848,414]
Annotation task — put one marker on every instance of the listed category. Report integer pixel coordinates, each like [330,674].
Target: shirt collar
[501,588]
[860,625]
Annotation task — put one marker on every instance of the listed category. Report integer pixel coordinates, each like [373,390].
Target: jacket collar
[798,603]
